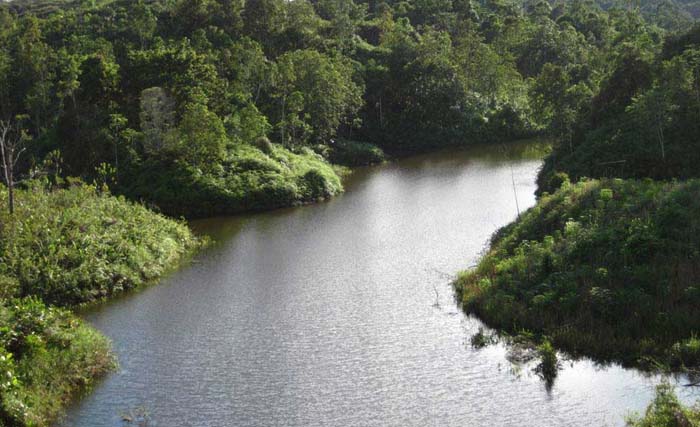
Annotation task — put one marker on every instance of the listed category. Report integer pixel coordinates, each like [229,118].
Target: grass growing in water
[548,366]
[608,269]
[666,411]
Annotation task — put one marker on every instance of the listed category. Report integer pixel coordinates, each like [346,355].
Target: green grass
[609,269]
[249,180]
[75,245]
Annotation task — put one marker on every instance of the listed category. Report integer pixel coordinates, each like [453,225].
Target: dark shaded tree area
[643,123]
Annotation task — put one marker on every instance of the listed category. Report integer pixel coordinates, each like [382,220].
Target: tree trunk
[11,196]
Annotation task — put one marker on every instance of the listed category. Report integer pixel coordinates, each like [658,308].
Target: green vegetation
[603,268]
[248,180]
[206,107]
[666,411]
[68,246]
[353,153]
[168,99]
[76,245]
[549,363]
[643,123]
[607,264]
[46,356]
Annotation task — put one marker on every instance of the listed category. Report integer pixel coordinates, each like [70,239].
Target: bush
[249,181]
[46,355]
[263,144]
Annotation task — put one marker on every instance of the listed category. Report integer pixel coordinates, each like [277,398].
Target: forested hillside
[201,107]
[606,264]
[609,267]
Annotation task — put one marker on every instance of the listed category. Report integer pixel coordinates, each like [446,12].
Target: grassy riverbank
[605,268]
[76,245]
[64,248]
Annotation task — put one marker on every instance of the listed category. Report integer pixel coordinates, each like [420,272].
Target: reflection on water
[325,315]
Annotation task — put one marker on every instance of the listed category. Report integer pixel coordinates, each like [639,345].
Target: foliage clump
[548,366]
[354,153]
[248,180]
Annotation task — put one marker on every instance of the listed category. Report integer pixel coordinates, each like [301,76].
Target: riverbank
[339,298]
[69,247]
[602,268]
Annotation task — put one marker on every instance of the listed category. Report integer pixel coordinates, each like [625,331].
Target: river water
[342,314]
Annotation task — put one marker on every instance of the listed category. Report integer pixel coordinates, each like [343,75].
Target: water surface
[326,315]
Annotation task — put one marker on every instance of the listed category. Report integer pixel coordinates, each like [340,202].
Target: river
[342,314]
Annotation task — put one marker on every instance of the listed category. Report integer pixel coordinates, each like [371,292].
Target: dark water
[325,316]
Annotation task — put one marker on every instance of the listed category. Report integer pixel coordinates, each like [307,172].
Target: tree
[144,23]
[262,20]
[34,76]
[316,93]
[12,145]
[202,137]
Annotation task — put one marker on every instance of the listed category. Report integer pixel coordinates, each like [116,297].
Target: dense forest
[206,107]
[202,107]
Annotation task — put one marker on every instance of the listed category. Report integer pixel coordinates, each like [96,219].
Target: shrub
[47,354]
[250,180]
[263,144]
[548,365]
[686,352]
[75,245]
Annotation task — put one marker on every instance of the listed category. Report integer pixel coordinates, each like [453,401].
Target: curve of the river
[325,315]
